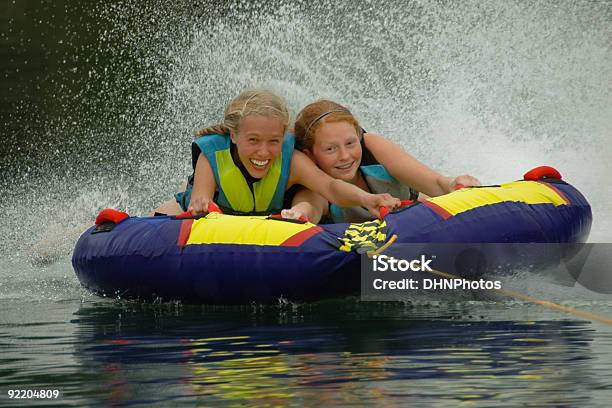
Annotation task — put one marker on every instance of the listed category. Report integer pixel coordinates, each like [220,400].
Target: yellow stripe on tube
[218,228]
[529,192]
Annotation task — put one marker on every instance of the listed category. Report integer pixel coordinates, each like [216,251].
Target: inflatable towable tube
[225,259]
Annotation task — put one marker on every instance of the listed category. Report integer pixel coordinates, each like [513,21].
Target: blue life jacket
[236,193]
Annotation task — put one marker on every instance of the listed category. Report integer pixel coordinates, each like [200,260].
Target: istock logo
[382,263]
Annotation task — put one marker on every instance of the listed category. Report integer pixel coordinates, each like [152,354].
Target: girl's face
[259,141]
[336,150]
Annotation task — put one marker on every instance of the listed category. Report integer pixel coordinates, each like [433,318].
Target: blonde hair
[249,102]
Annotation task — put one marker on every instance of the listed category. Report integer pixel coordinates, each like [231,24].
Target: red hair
[313,115]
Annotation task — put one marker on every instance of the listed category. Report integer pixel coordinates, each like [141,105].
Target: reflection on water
[334,356]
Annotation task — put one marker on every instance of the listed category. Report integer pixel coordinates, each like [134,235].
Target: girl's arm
[307,203]
[410,171]
[306,173]
[204,185]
